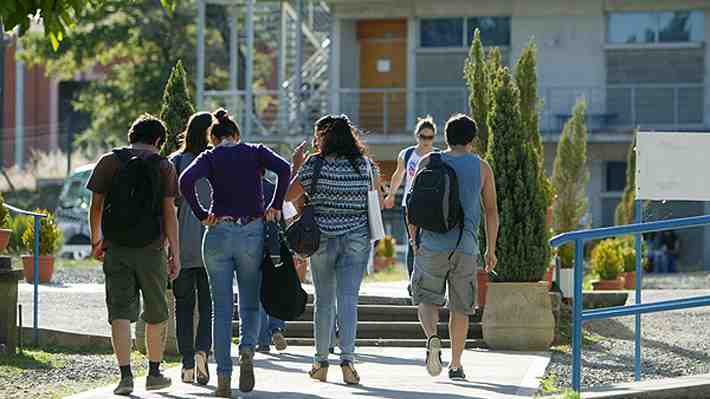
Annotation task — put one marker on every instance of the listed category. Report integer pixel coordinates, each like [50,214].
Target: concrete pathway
[387,373]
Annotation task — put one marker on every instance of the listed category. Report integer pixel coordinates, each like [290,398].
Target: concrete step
[399,343]
[367,300]
[381,313]
[374,330]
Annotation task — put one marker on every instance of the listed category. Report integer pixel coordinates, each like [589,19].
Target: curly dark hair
[340,138]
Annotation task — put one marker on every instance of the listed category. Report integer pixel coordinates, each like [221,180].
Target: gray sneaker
[246,370]
[155,382]
[125,387]
[433,356]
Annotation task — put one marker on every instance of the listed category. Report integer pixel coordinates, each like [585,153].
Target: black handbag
[281,293]
[303,235]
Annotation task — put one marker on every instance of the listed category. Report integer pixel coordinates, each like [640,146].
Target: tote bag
[281,293]
[374,212]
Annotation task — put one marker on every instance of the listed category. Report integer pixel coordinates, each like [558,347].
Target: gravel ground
[674,343]
[59,374]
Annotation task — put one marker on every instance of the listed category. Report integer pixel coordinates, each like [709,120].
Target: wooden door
[383,75]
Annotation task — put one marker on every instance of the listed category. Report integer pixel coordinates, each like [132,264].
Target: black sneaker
[125,387]
[457,374]
[263,349]
[155,382]
[433,356]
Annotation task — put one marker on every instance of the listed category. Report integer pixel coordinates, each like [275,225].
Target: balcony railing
[384,111]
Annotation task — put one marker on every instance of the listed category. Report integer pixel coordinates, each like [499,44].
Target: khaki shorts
[433,272]
[133,270]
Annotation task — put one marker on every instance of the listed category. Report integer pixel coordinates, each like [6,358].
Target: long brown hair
[194,138]
[340,138]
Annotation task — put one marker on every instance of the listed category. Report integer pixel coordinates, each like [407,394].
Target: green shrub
[4,214]
[50,239]
[607,261]
[18,224]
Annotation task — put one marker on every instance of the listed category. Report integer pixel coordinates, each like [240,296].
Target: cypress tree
[570,177]
[523,249]
[477,78]
[177,108]
[625,213]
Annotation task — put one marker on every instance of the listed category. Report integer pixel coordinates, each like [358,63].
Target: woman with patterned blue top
[340,204]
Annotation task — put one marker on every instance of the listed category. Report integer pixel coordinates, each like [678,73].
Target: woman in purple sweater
[234,240]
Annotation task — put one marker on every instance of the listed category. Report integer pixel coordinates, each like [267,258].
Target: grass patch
[548,384]
[87,263]
[393,273]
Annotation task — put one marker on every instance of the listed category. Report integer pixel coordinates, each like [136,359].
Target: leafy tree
[625,213]
[134,45]
[523,249]
[494,64]
[57,16]
[177,107]
[476,74]
[570,177]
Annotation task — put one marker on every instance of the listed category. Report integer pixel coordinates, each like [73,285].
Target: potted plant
[569,178]
[389,250]
[5,221]
[384,254]
[50,241]
[607,264]
[628,256]
[518,313]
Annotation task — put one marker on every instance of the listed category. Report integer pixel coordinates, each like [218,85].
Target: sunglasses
[421,136]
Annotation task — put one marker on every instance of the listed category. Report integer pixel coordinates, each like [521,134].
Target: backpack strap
[408,155]
[121,154]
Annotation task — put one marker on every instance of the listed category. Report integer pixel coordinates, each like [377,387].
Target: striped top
[340,200]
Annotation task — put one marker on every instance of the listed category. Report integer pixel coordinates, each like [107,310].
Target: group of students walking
[204,216]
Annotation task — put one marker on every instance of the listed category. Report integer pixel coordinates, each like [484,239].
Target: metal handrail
[35,297]
[579,315]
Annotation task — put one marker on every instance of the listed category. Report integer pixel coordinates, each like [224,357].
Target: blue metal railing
[579,315]
[35,254]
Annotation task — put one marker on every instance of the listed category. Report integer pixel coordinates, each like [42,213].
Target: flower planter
[4,238]
[630,280]
[46,268]
[482,277]
[518,317]
[608,285]
[566,282]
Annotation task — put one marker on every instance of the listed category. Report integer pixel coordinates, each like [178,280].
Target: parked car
[72,214]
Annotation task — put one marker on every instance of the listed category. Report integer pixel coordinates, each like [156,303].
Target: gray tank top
[468,173]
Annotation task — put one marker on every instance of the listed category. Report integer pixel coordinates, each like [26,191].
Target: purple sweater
[235,172]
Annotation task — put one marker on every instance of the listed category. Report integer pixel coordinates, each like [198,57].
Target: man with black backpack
[425,133]
[445,205]
[132,213]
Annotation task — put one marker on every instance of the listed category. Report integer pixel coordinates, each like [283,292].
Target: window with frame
[656,27]
[458,32]
[615,176]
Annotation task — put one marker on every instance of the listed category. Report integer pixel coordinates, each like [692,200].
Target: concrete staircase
[382,321]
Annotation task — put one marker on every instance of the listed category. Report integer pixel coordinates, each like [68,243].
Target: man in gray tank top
[442,260]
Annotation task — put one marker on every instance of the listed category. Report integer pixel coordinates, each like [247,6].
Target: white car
[72,214]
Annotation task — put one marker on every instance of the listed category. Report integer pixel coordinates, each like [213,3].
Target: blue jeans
[338,268]
[228,248]
[267,326]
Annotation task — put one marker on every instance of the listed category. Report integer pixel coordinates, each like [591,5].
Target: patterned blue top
[340,201]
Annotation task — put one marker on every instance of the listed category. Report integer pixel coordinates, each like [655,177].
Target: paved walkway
[387,373]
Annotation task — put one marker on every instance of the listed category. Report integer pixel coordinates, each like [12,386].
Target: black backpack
[133,207]
[281,293]
[433,201]
[303,235]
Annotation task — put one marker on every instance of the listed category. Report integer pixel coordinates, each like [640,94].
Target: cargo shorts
[131,272]
[434,272]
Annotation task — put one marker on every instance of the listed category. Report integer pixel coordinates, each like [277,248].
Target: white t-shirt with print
[410,169]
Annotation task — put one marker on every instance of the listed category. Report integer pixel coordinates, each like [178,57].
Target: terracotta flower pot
[608,285]
[4,238]
[549,274]
[46,268]
[482,277]
[380,263]
[630,280]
